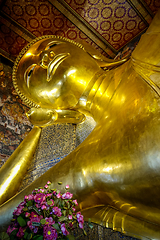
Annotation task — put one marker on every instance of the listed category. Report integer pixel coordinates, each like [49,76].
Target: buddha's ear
[101,60]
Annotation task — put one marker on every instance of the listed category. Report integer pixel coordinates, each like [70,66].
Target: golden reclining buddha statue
[115,172]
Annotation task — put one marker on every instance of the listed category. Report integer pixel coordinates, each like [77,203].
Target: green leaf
[62,218]
[4,236]
[25,235]
[21,221]
[59,183]
[13,234]
[29,203]
[56,226]
[29,236]
[70,212]
[64,213]
[90,224]
[43,221]
[25,209]
[70,237]
[36,210]
[38,237]
[49,202]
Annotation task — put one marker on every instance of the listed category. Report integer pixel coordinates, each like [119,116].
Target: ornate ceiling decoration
[107,25]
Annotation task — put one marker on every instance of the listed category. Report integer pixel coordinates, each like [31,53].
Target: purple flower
[49,233]
[40,198]
[67,195]
[49,221]
[19,209]
[20,233]
[80,219]
[57,211]
[64,230]
[33,228]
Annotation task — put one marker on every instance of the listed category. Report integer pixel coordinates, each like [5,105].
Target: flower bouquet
[45,214]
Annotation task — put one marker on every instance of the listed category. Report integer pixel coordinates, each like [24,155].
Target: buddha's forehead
[44,45]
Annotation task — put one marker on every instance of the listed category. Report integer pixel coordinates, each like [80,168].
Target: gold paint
[13,171]
[115,172]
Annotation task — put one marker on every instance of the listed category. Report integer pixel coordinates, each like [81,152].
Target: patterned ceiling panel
[153,5]
[115,20]
[41,18]
[10,42]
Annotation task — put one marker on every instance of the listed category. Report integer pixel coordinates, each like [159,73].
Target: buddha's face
[54,73]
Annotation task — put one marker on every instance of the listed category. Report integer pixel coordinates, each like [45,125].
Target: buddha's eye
[28,74]
[52,45]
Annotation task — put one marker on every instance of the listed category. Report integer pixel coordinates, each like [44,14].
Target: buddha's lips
[53,65]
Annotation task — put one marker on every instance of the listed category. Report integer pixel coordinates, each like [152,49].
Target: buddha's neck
[97,95]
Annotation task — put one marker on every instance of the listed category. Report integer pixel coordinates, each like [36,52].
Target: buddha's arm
[13,171]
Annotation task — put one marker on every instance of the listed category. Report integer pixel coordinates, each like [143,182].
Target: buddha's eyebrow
[53,44]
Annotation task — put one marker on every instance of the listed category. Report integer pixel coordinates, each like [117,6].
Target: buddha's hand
[42,117]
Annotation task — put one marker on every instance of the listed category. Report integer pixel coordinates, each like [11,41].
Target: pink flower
[27,214]
[40,198]
[64,230]
[19,209]
[48,182]
[43,207]
[58,195]
[46,186]
[57,211]
[67,186]
[29,197]
[71,225]
[35,217]
[10,229]
[75,202]
[67,195]
[49,194]
[73,209]
[20,233]
[41,190]
[49,233]
[70,217]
